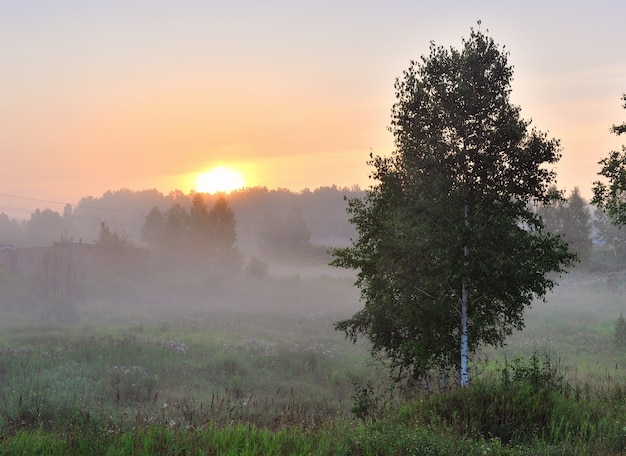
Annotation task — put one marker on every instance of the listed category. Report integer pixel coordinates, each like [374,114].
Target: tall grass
[277,379]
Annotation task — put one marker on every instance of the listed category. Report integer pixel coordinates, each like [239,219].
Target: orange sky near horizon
[149,95]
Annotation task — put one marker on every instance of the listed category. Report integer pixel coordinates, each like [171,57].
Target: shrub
[365,403]
[368,403]
[543,370]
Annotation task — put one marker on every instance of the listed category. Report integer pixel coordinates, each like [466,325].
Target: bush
[543,370]
[365,402]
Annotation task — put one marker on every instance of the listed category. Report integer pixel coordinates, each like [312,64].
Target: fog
[206,305]
[148,256]
[102,259]
[138,299]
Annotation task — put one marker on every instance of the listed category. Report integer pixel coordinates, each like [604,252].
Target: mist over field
[222,310]
[97,262]
[312,228]
[144,251]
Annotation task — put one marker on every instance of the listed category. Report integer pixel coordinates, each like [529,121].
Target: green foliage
[530,404]
[541,371]
[237,382]
[448,224]
[366,404]
[610,198]
[198,367]
[240,440]
[619,129]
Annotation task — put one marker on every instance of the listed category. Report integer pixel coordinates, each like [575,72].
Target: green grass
[273,377]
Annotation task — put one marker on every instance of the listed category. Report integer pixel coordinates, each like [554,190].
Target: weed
[543,369]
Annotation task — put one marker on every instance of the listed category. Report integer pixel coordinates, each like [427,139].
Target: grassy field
[254,367]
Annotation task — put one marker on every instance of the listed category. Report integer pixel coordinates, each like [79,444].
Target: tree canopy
[448,252]
[611,198]
[199,234]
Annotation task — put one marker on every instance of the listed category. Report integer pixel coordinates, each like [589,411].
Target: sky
[98,96]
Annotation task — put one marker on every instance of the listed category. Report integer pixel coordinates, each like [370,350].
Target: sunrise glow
[220,179]
[118,95]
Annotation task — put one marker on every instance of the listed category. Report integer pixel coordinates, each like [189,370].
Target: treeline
[265,220]
[149,249]
[599,244]
[262,222]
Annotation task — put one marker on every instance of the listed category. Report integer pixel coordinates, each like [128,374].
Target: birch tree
[448,252]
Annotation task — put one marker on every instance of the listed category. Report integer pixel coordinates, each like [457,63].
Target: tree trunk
[464,341]
[464,301]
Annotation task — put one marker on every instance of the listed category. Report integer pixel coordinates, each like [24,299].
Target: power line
[31,199]
[64,204]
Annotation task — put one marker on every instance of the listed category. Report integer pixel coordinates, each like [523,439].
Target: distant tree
[200,225]
[67,222]
[223,233]
[111,238]
[10,230]
[448,253]
[611,199]
[552,213]
[176,228]
[571,219]
[43,228]
[167,233]
[612,236]
[199,211]
[128,207]
[577,226]
[152,229]
[198,235]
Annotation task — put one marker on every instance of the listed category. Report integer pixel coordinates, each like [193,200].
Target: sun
[220,179]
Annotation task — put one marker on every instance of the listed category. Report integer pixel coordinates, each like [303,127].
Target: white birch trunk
[464,302]
[464,340]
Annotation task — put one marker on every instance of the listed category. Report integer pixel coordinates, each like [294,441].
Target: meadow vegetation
[171,365]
